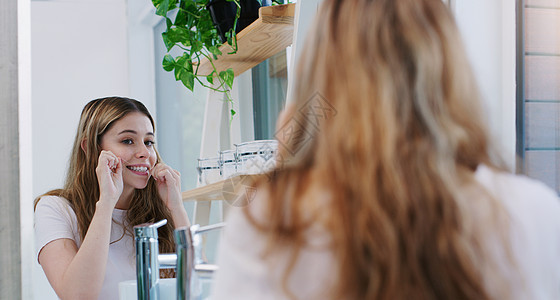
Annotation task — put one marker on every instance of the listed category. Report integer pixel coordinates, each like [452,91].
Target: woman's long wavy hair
[387,120]
[81,188]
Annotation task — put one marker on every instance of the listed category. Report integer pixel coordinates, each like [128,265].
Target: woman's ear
[83,145]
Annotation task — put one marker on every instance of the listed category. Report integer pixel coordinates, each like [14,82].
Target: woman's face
[132,139]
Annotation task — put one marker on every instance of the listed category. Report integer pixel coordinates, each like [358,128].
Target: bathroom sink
[167,289]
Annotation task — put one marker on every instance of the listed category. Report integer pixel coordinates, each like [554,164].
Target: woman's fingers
[163,172]
[109,175]
[110,160]
[169,185]
[166,176]
[118,168]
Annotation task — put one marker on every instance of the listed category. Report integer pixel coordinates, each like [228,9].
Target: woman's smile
[139,169]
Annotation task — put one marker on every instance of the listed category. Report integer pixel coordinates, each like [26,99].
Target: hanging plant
[191,28]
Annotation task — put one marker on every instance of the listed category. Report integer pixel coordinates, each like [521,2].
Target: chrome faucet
[185,257]
[147,264]
[187,260]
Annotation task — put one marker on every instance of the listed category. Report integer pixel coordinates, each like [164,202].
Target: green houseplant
[190,27]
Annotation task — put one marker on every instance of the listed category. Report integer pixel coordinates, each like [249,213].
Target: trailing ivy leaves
[187,79]
[192,30]
[227,76]
[184,71]
[162,6]
[168,63]
[215,51]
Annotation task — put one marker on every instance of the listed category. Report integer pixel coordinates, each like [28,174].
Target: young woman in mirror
[389,188]
[115,180]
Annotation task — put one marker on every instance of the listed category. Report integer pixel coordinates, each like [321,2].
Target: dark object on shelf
[223,14]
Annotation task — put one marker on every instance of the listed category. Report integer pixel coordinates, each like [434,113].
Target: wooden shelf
[236,190]
[269,34]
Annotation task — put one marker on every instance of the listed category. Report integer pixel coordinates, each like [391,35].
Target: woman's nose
[142,151]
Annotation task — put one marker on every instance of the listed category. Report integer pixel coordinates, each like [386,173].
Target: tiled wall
[542,90]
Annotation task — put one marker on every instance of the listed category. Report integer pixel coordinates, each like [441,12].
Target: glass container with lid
[256,157]
[228,163]
[208,170]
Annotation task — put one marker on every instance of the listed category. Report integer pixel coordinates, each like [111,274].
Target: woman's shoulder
[529,197]
[52,203]
[534,216]
[50,200]
[501,181]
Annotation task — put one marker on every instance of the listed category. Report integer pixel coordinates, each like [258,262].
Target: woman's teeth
[139,169]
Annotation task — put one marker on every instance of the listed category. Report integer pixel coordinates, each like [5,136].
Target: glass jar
[208,170]
[256,157]
[228,163]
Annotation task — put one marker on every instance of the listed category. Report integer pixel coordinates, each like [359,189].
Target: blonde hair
[81,188]
[399,135]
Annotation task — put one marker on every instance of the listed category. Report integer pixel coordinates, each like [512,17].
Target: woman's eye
[127,142]
[149,143]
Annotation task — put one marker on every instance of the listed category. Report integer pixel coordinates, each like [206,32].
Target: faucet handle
[158,224]
[148,230]
[197,229]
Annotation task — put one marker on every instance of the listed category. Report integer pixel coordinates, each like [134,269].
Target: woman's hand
[109,175]
[169,189]
[168,184]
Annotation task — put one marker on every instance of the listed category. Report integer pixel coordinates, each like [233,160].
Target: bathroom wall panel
[542,78]
[544,166]
[542,31]
[543,3]
[542,121]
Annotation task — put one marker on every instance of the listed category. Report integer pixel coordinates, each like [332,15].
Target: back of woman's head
[388,116]
[396,75]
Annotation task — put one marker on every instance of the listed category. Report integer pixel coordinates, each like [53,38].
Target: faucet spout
[187,260]
[167,261]
[147,263]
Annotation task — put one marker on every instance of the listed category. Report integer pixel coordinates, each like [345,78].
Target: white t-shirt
[55,219]
[535,236]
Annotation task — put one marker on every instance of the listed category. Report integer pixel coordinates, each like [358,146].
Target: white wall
[78,53]
[304,18]
[488,29]
[140,49]
[25,147]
